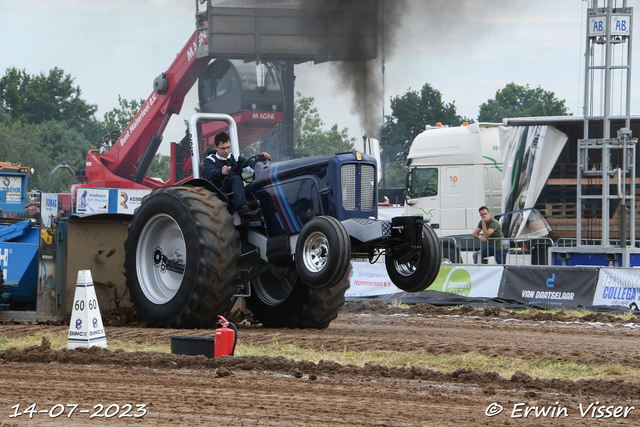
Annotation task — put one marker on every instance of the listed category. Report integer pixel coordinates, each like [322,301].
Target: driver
[223,170]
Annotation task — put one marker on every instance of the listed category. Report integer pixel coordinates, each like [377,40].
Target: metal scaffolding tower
[607,69]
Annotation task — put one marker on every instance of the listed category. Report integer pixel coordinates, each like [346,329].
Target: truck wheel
[418,273]
[181,258]
[279,298]
[323,252]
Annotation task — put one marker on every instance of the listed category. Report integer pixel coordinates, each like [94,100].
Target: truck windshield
[423,182]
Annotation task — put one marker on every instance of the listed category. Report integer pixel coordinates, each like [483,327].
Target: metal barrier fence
[568,242]
[468,250]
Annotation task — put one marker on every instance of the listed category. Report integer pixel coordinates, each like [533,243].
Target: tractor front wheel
[419,272]
[323,252]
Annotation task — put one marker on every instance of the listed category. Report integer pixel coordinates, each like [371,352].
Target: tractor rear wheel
[418,273]
[181,258]
[280,298]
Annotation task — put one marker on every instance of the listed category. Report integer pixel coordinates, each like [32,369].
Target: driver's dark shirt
[213,168]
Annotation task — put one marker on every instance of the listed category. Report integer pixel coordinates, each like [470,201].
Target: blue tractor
[189,254]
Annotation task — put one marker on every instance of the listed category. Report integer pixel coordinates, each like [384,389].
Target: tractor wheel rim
[161,258]
[406,269]
[316,252]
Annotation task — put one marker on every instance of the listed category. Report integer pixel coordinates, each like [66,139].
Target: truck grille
[349,186]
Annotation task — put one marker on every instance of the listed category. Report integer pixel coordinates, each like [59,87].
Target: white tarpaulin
[528,155]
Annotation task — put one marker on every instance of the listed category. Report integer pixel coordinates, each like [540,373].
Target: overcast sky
[466,49]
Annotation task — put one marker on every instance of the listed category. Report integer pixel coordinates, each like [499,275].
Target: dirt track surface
[254,391]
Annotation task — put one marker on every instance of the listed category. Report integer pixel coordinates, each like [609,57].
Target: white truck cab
[451,172]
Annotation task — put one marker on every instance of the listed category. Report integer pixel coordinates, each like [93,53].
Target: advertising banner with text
[368,280]
[618,287]
[468,281]
[550,286]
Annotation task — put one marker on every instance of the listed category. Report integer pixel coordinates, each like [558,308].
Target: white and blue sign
[597,26]
[617,287]
[619,25]
[49,209]
[103,200]
[129,200]
[92,200]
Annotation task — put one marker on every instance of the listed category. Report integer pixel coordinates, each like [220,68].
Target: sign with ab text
[619,26]
[85,326]
[618,287]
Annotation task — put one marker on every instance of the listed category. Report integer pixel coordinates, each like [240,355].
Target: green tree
[308,135]
[67,146]
[20,143]
[40,98]
[120,117]
[521,101]
[160,167]
[411,114]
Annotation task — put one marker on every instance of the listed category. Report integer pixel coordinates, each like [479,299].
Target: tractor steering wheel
[249,179]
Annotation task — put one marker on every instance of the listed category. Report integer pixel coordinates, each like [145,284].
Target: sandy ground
[120,388]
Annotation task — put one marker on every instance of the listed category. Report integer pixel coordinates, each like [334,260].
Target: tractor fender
[198,182]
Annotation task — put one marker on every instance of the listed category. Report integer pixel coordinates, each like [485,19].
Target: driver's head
[223,144]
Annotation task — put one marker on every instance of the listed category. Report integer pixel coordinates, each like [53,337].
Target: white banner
[130,200]
[617,287]
[369,280]
[465,280]
[48,209]
[92,200]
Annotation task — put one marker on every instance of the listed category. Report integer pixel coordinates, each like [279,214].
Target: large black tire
[418,273]
[181,258]
[323,252]
[280,299]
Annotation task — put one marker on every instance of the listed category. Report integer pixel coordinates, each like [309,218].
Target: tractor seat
[206,153]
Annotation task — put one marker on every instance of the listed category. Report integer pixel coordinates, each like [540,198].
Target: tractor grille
[349,186]
[367,176]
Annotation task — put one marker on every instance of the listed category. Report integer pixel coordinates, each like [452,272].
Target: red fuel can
[225,338]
